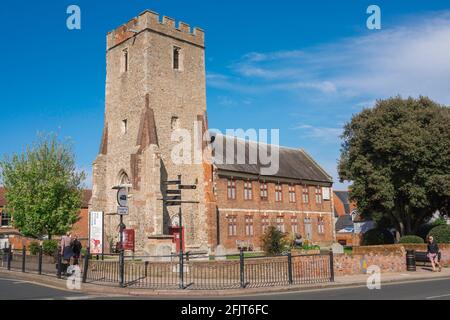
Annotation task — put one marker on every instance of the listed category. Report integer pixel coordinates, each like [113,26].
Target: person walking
[433,253]
[66,251]
[76,248]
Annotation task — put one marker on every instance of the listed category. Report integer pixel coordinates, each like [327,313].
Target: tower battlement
[149,20]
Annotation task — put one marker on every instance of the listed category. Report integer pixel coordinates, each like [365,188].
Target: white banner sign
[96,232]
[326,193]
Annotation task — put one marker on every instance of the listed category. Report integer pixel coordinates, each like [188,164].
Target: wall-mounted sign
[122,197]
[122,211]
[326,193]
[96,232]
[128,239]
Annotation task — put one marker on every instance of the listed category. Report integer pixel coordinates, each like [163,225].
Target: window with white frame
[263,191]
[278,193]
[248,190]
[231,189]
[232,226]
[305,194]
[280,223]
[318,195]
[320,225]
[265,223]
[292,194]
[249,226]
[5,220]
[294,224]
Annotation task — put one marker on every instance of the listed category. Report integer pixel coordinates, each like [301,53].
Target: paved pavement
[434,289]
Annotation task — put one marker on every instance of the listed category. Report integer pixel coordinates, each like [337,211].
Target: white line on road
[81,297]
[437,297]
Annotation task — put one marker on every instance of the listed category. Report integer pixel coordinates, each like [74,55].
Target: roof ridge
[260,142]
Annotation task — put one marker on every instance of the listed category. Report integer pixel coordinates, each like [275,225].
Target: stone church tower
[155,84]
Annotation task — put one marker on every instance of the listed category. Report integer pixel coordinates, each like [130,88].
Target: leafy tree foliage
[397,155]
[43,188]
[377,236]
[274,241]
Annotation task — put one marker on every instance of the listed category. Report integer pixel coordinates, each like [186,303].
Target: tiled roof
[87,194]
[293,163]
[344,222]
[344,197]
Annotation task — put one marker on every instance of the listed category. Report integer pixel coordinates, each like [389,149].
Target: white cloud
[409,59]
[327,134]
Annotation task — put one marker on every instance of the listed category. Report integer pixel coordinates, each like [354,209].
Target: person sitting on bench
[433,253]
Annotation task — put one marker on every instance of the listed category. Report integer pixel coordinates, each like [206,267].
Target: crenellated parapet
[149,20]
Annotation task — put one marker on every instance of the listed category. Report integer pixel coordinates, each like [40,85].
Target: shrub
[411,239]
[34,248]
[377,237]
[49,247]
[441,234]
[274,241]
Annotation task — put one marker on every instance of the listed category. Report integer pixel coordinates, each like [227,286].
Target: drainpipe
[332,214]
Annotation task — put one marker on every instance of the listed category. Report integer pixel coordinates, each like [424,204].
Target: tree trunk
[402,228]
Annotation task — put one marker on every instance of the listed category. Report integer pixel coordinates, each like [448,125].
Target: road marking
[81,297]
[437,297]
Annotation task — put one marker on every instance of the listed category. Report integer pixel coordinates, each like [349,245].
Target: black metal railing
[164,272]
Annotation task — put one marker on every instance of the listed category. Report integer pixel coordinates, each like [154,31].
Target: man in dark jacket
[76,248]
[433,253]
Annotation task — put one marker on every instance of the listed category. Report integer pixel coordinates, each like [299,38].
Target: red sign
[128,239]
[175,232]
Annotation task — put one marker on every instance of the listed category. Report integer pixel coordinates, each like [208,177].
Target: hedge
[411,239]
[441,234]
[34,248]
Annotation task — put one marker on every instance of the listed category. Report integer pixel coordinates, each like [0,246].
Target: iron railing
[164,272]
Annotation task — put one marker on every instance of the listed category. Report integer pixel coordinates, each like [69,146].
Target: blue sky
[301,66]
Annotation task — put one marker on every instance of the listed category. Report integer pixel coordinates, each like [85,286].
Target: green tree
[43,188]
[274,241]
[397,156]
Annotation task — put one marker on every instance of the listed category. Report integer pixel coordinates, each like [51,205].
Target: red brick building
[296,200]
[9,235]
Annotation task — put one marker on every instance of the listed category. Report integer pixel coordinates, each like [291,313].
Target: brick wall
[349,264]
[390,258]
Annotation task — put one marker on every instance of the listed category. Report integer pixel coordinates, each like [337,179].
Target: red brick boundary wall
[390,258]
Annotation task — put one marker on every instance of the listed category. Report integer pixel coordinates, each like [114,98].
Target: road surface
[436,289]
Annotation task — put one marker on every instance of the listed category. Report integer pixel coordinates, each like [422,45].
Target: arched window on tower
[123,178]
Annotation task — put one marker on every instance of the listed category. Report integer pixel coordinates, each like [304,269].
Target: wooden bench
[422,257]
